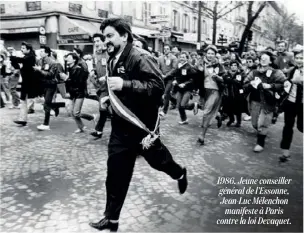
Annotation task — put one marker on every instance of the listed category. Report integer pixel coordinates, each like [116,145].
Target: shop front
[76,33]
[14,31]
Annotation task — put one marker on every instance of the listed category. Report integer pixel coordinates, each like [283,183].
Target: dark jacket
[183,75]
[142,91]
[234,84]
[76,84]
[284,61]
[50,74]
[267,97]
[30,80]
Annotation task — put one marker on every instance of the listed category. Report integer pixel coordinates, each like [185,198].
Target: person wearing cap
[29,86]
[261,85]
[292,105]
[211,88]
[135,89]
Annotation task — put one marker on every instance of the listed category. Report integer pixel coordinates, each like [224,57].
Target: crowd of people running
[256,86]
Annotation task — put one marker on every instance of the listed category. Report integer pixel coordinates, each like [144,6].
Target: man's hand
[182,85]
[174,82]
[63,76]
[103,102]
[37,67]
[102,79]
[266,85]
[115,83]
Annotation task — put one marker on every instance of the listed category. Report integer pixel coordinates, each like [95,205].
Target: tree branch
[237,6]
[225,7]
[259,11]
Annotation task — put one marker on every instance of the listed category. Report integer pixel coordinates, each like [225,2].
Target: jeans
[260,119]
[24,108]
[49,104]
[291,112]
[167,95]
[182,99]
[75,111]
[13,82]
[5,87]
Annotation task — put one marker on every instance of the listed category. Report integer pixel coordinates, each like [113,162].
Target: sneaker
[258,149]
[219,121]
[52,112]
[30,111]
[23,123]
[43,127]
[162,114]
[14,107]
[229,123]
[247,118]
[195,109]
[80,130]
[96,134]
[183,122]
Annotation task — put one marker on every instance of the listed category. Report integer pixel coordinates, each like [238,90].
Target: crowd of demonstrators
[227,85]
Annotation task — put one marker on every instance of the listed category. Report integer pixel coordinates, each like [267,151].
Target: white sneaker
[43,127]
[52,112]
[258,149]
[80,130]
[162,114]
[247,118]
[183,122]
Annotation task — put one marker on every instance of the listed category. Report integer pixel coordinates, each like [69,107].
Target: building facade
[68,24]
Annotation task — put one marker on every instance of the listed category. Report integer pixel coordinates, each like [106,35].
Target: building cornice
[46,14]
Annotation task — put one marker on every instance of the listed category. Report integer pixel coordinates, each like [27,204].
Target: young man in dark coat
[30,86]
[235,100]
[135,90]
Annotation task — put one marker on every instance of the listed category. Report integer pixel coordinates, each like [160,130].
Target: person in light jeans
[76,82]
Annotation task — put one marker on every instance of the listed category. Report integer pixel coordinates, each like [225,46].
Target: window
[103,14]
[2,9]
[176,20]
[194,24]
[204,27]
[33,6]
[162,10]
[139,11]
[147,12]
[75,8]
[116,7]
[186,23]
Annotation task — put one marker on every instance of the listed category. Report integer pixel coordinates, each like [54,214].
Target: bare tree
[252,17]
[217,13]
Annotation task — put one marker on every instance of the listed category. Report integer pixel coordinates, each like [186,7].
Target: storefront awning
[21,25]
[68,27]
[143,31]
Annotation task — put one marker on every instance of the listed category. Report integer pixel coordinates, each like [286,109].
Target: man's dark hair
[74,56]
[98,35]
[29,47]
[79,52]
[167,45]
[234,62]
[120,25]
[144,43]
[47,50]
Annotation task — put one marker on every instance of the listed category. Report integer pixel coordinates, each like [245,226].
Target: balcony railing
[256,27]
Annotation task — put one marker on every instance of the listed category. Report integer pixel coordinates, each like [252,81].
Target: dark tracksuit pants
[103,115]
[123,150]
[49,104]
[291,112]
[182,102]
[167,96]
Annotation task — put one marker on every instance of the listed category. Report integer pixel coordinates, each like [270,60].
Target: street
[54,181]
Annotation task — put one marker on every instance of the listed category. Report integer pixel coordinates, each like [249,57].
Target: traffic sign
[42,30]
[155,19]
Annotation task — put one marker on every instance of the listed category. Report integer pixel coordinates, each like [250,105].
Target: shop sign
[75,37]
[42,39]
[18,30]
[155,19]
